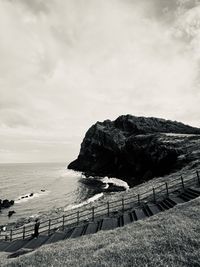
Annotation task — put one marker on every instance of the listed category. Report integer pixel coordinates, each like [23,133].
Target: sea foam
[27,197]
[89,200]
[116,182]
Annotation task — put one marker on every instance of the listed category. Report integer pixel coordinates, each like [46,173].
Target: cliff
[137,149]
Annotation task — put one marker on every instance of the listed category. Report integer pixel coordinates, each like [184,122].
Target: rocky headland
[136,149]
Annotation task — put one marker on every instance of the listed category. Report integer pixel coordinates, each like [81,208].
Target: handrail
[76,217]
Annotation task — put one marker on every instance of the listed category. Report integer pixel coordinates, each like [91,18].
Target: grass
[171,238]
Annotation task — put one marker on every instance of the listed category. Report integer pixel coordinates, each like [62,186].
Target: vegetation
[168,239]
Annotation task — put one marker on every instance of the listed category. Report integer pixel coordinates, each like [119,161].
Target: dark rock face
[4,204]
[134,149]
[10,213]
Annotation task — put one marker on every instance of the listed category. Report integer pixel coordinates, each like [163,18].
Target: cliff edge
[136,149]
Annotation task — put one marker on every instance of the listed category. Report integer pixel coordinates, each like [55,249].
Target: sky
[66,64]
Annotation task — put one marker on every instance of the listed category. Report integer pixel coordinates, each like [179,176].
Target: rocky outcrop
[4,204]
[136,149]
[10,213]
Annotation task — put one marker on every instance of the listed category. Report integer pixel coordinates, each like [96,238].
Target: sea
[42,188]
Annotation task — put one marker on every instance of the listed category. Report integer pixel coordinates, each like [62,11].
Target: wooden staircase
[21,246]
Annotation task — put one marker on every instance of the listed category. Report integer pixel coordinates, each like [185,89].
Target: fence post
[92,213]
[108,207]
[138,198]
[49,227]
[11,235]
[63,222]
[24,231]
[198,178]
[182,181]
[167,189]
[154,195]
[123,204]
[78,217]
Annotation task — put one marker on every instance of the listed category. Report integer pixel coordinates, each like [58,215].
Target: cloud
[66,64]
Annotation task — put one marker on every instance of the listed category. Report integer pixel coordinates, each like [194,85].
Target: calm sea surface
[52,185]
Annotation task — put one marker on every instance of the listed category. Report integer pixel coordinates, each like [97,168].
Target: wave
[89,200]
[105,183]
[27,197]
[116,182]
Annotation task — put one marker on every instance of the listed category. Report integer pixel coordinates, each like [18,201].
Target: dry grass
[171,238]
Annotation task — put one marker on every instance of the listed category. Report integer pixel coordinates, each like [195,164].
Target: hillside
[136,149]
[167,239]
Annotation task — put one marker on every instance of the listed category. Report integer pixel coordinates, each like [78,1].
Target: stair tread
[185,197]
[77,231]
[4,245]
[169,203]
[140,214]
[68,232]
[193,192]
[190,195]
[176,199]
[164,205]
[109,223]
[196,189]
[17,244]
[56,237]
[36,242]
[126,218]
[91,228]
[19,252]
[153,208]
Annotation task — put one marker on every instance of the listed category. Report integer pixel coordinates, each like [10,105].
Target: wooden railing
[75,218]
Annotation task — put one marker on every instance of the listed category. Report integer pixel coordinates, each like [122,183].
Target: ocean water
[42,188]
[52,186]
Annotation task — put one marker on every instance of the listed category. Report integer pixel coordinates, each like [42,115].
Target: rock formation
[136,149]
[4,204]
[10,213]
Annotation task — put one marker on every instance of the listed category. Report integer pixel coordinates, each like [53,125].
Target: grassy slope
[170,238]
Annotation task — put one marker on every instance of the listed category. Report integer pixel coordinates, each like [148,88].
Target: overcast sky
[64,64]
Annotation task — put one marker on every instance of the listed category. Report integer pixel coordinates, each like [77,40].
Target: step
[133,215]
[120,221]
[19,252]
[99,224]
[153,208]
[147,212]
[68,232]
[185,197]
[4,245]
[17,244]
[77,231]
[140,214]
[57,236]
[190,195]
[109,223]
[165,205]
[91,228]
[195,192]
[195,189]
[36,242]
[161,208]
[169,203]
[176,200]
[126,218]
